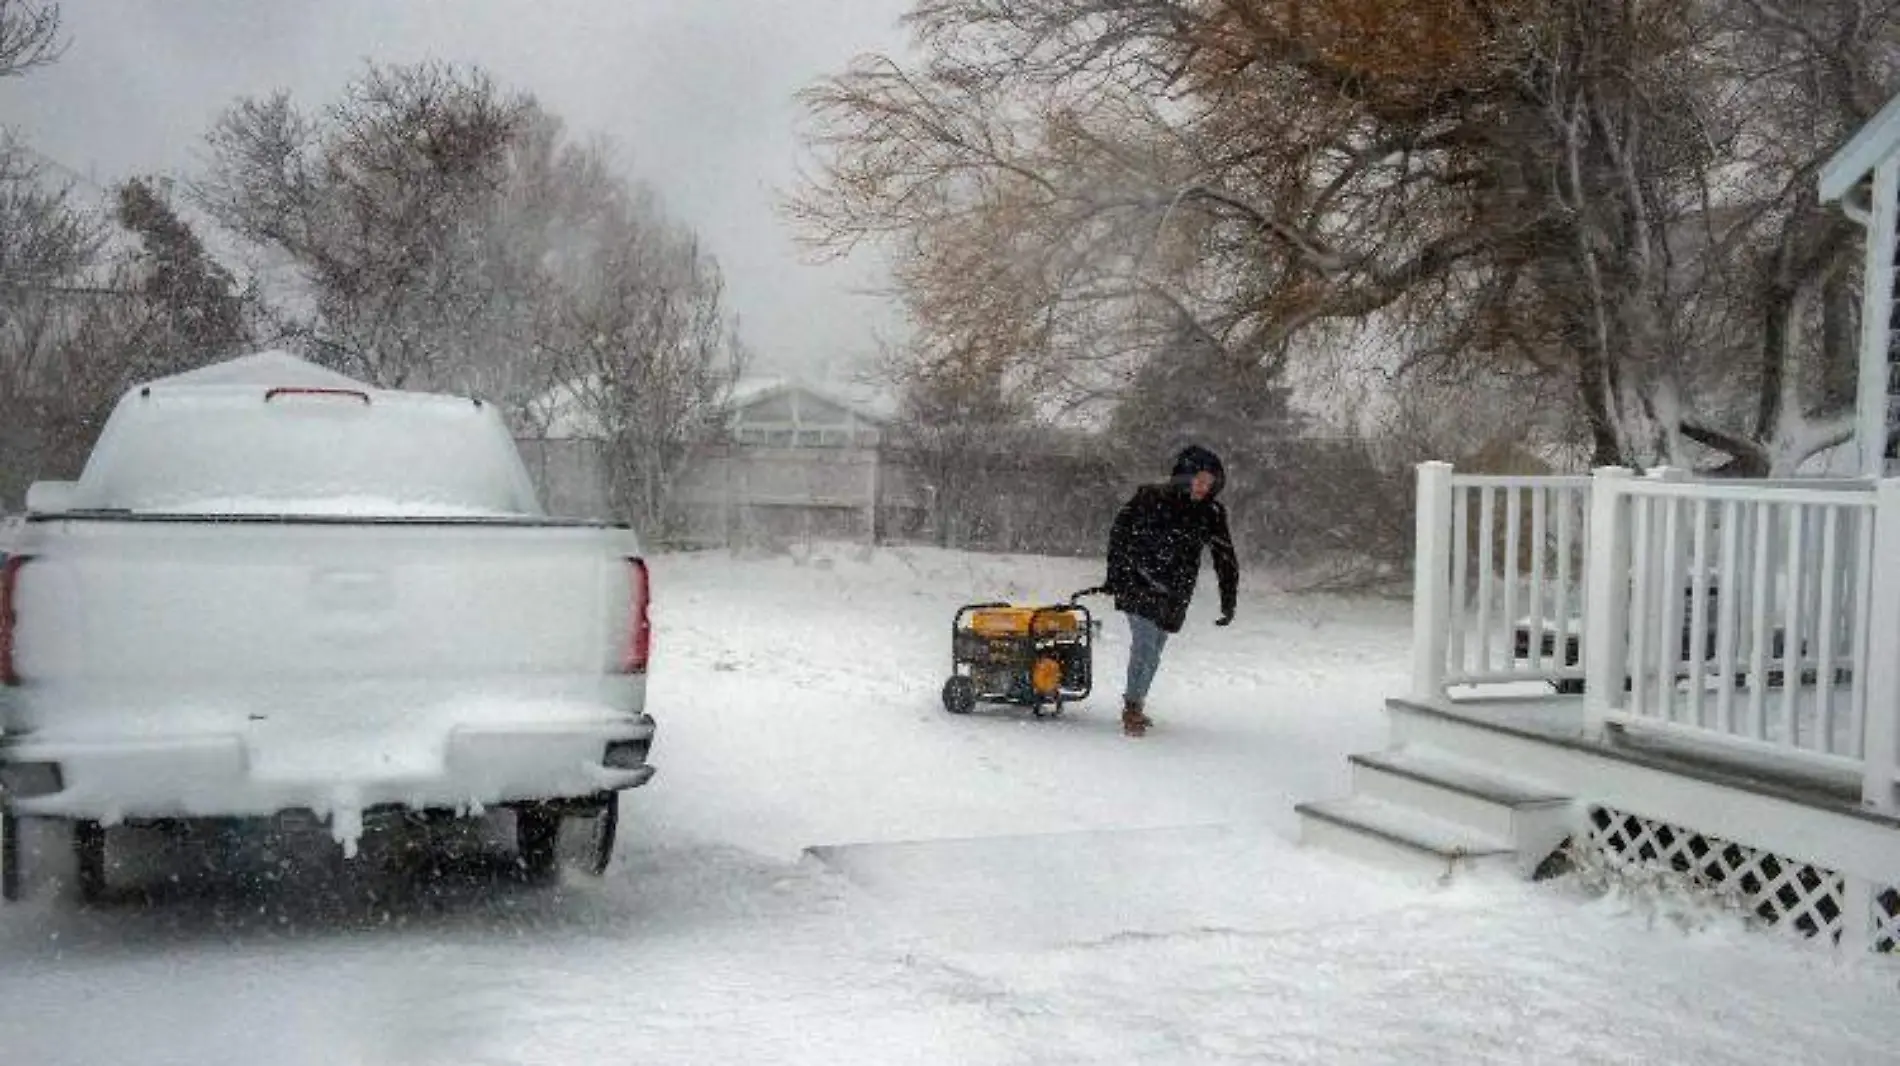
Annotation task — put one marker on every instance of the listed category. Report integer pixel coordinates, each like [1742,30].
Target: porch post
[1876,310]
[1606,599]
[1431,581]
[1881,731]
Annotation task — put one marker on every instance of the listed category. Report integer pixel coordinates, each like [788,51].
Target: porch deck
[1668,674]
[1561,721]
[1530,779]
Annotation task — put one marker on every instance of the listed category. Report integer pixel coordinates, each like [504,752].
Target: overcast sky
[695,93]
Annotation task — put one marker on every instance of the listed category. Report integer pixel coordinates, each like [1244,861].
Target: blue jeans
[1144,656]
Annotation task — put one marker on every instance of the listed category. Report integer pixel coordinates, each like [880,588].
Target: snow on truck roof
[272,433]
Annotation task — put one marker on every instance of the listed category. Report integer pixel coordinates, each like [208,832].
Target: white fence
[1758,614]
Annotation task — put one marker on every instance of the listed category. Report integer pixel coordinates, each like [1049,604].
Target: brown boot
[1134,721]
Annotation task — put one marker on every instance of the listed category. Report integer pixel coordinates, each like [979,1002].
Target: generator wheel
[959,694]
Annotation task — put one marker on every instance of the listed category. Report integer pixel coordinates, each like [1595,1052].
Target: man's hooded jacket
[1154,551]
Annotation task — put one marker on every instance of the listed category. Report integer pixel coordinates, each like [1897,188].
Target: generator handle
[1091,624]
[969,608]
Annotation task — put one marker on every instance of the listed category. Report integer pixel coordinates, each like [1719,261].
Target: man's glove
[1225,618]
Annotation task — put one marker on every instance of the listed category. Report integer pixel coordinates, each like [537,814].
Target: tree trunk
[1840,341]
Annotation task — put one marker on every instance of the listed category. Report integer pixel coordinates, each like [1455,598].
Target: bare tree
[1515,188]
[50,284]
[83,318]
[454,237]
[386,203]
[1780,269]
[44,238]
[29,36]
[645,350]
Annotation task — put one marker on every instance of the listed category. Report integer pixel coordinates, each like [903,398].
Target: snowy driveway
[990,889]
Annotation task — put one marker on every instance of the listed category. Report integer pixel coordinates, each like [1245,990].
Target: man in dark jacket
[1154,557]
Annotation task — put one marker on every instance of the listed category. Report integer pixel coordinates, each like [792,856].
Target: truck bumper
[226,775]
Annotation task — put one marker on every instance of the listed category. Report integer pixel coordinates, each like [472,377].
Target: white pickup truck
[277,592]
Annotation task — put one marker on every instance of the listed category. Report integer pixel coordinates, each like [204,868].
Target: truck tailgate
[366,623]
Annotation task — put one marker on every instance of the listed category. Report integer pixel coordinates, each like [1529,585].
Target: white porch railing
[1758,614]
[1512,607]
[1746,613]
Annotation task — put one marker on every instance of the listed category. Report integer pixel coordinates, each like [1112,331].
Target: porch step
[1398,837]
[1522,815]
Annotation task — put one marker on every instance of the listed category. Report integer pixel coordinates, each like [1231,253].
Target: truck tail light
[640,627]
[10,568]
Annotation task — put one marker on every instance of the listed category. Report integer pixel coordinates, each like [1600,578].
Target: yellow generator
[1035,657]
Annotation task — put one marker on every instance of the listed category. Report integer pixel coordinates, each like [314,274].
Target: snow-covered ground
[987,889]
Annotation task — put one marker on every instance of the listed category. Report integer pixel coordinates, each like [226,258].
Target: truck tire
[10,857]
[594,849]
[89,859]
[537,840]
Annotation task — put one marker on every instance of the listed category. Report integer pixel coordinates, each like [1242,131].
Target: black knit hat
[1195,459]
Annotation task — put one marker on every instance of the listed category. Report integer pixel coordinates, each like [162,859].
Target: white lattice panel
[1779,890]
[1887,919]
